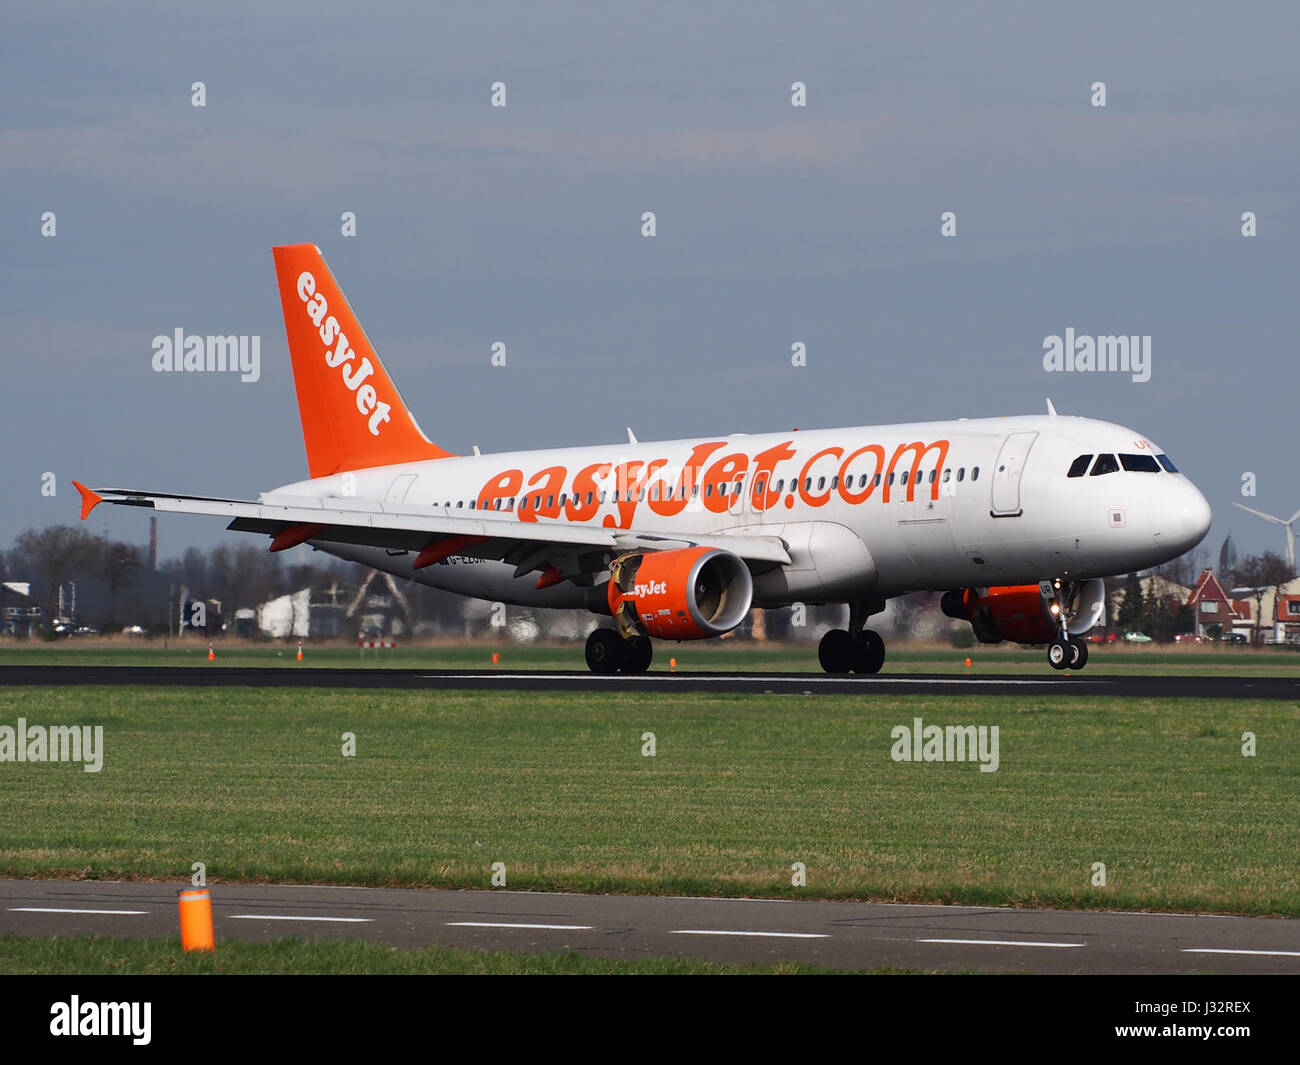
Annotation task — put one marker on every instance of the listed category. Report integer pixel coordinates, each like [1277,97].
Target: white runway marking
[769,935]
[294,917]
[505,924]
[1218,950]
[1001,943]
[56,909]
[673,678]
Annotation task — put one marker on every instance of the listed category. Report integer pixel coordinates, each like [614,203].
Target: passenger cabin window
[975,473]
[1079,466]
[961,473]
[1104,464]
[1167,463]
[1139,463]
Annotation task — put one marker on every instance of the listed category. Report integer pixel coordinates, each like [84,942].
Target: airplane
[1016,519]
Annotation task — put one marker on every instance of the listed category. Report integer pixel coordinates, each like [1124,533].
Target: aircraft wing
[435,532]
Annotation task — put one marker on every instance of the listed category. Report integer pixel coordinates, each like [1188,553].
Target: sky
[774,225]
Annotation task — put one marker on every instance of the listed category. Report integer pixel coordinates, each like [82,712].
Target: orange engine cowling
[689,593]
[1014,612]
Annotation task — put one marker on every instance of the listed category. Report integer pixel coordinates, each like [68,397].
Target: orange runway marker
[196,919]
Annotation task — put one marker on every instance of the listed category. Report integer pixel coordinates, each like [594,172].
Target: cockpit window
[1167,463]
[1080,466]
[1139,463]
[1104,464]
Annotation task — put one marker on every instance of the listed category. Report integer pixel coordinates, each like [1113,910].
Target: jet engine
[689,593]
[1024,614]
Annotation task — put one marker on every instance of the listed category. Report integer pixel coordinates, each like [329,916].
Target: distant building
[1227,555]
[1212,605]
[20,614]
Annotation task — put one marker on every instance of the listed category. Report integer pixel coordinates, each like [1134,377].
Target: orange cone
[496,658]
[672,665]
[196,919]
[212,655]
[299,650]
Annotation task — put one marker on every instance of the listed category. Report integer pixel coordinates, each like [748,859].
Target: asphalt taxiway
[1046,683]
[839,935]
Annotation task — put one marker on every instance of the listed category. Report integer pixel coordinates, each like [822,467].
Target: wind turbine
[1290,532]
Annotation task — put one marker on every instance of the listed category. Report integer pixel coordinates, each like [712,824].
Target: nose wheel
[1067,652]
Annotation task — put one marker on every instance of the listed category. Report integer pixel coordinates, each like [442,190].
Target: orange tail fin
[352,415]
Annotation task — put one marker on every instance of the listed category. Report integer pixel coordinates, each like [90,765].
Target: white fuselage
[852,535]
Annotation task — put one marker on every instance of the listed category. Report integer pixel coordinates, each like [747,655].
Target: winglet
[89,499]
[1050,409]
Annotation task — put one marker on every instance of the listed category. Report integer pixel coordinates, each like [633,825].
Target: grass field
[710,655]
[109,956]
[253,783]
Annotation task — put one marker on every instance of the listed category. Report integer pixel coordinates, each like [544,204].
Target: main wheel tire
[637,655]
[1078,653]
[605,651]
[1058,654]
[836,651]
[870,655]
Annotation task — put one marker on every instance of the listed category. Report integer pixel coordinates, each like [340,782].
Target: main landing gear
[1067,652]
[608,652]
[855,649]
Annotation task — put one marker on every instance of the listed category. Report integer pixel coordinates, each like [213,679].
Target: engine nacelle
[689,593]
[1014,612]
[1021,613]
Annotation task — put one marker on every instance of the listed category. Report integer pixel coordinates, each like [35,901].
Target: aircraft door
[1006,474]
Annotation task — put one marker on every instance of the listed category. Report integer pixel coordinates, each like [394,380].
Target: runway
[1045,683]
[838,935]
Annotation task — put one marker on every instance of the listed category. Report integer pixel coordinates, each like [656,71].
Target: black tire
[836,651]
[1058,654]
[638,653]
[605,651]
[1078,654]
[870,652]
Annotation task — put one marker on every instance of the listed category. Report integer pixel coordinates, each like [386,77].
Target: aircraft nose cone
[1182,519]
